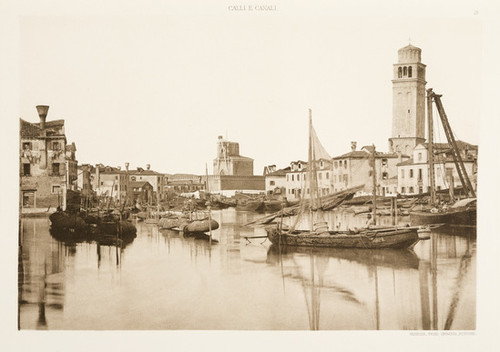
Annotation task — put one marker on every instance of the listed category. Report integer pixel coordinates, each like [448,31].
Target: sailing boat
[318,235]
[462,212]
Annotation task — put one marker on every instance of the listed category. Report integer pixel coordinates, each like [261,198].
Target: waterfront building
[84,183]
[355,168]
[184,183]
[233,172]
[141,192]
[48,167]
[296,177]
[155,179]
[109,183]
[413,174]
[275,180]
[408,101]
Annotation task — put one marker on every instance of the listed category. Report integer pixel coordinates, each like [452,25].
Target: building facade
[48,166]
[229,161]
[84,184]
[355,169]
[109,183]
[408,101]
[155,179]
[297,186]
[275,180]
[414,175]
[233,172]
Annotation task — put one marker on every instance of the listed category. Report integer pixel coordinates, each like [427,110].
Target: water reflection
[163,280]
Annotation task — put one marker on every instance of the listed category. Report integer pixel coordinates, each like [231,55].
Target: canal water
[162,280]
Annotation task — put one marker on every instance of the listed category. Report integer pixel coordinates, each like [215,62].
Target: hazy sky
[159,89]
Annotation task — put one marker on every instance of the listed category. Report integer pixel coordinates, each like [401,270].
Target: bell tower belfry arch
[408,101]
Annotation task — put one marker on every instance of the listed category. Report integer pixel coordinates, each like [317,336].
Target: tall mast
[374,178]
[310,171]
[430,149]
[457,158]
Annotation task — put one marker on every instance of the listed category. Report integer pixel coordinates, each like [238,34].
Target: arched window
[404,71]
[409,71]
[400,72]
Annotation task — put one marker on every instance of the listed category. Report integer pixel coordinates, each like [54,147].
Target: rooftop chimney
[353,146]
[42,112]
[148,166]
[126,166]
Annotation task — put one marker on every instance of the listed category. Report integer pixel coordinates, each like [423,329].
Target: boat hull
[199,226]
[397,238]
[463,217]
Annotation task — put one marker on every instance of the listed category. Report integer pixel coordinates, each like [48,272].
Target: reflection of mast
[434,283]
[377,308]
[42,320]
[462,272]
[423,270]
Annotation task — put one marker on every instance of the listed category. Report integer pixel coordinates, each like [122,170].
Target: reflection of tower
[408,101]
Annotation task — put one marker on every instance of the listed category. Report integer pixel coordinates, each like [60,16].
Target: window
[385,176]
[116,187]
[102,183]
[419,156]
[370,173]
[409,71]
[55,146]
[27,146]
[411,173]
[132,178]
[402,173]
[287,178]
[26,169]
[327,175]
[293,178]
[298,177]
[400,72]
[420,189]
[345,164]
[116,177]
[336,164]
[55,189]
[384,162]
[271,183]
[403,190]
[55,169]
[321,164]
[411,189]
[420,174]
[404,71]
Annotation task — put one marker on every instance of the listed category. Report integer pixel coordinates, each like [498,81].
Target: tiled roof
[353,154]
[30,130]
[143,172]
[281,172]
[410,47]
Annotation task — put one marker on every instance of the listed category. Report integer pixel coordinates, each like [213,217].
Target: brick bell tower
[408,101]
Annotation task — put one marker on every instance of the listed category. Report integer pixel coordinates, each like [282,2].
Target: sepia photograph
[241,167]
